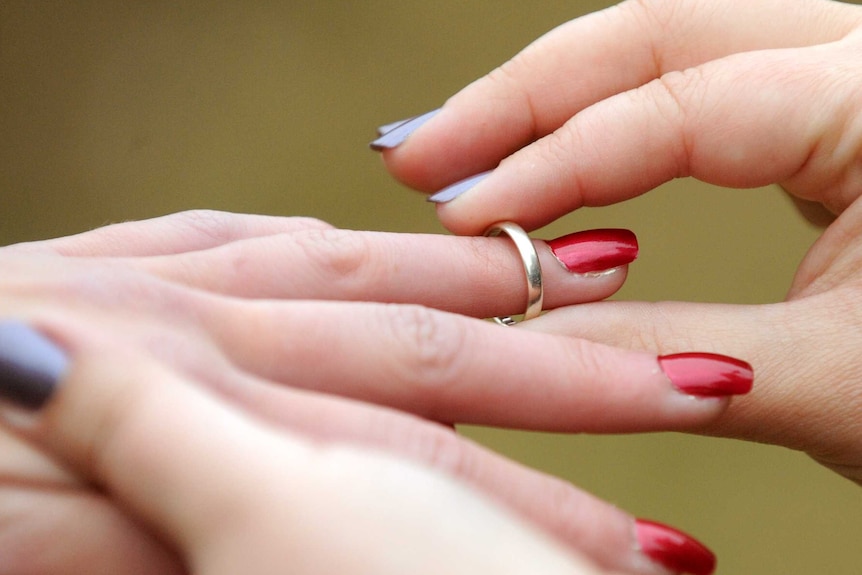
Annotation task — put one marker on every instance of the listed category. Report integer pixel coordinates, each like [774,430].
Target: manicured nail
[707,374]
[674,550]
[397,132]
[386,128]
[30,365]
[458,188]
[593,251]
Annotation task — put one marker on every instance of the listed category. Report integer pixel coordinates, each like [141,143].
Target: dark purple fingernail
[458,188]
[393,135]
[30,365]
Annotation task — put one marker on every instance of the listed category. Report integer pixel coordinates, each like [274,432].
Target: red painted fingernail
[595,250]
[673,549]
[707,374]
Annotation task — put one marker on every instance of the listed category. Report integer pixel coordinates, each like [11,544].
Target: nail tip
[594,251]
[386,128]
[458,189]
[707,374]
[673,549]
[441,197]
[396,133]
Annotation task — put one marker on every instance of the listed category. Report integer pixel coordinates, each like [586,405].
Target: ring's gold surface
[532,268]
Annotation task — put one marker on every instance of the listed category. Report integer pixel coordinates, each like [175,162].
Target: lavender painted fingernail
[458,188]
[394,134]
[386,128]
[30,365]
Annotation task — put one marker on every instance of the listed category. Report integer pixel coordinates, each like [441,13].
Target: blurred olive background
[113,111]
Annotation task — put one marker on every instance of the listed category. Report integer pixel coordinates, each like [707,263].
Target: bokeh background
[112,111]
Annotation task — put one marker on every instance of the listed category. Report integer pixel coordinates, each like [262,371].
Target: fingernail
[707,374]
[594,251]
[458,188]
[674,550]
[394,134]
[30,365]
[386,128]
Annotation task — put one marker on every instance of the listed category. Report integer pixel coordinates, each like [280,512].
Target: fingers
[709,122]
[68,532]
[455,369]
[476,276]
[790,405]
[44,506]
[592,58]
[610,128]
[580,521]
[176,233]
[130,431]
[577,519]
[161,446]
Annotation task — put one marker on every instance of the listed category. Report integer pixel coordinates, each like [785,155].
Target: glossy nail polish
[30,365]
[394,134]
[707,374]
[673,549]
[458,188]
[593,251]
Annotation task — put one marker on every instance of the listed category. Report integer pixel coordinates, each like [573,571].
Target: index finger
[587,60]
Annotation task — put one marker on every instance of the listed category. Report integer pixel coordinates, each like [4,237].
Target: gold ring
[530,259]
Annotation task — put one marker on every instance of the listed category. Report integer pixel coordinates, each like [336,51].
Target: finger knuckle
[669,15]
[209,222]
[431,445]
[221,227]
[675,101]
[444,451]
[308,223]
[340,256]
[558,148]
[584,357]
[661,331]
[429,348]
[509,77]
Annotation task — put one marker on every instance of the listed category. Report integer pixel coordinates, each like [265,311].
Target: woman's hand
[737,93]
[293,321]
[229,493]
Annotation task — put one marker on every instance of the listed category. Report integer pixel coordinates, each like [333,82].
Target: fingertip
[465,137]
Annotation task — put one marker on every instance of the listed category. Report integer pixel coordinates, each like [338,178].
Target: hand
[230,493]
[736,93]
[606,107]
[226,301]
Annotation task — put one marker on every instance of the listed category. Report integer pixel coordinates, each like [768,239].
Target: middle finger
[475,276]
[454,369]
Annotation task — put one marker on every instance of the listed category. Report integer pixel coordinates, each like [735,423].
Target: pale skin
[676,77]
[737,93]
[207,300]
[230,493]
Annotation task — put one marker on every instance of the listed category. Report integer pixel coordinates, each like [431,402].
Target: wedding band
[530,259]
